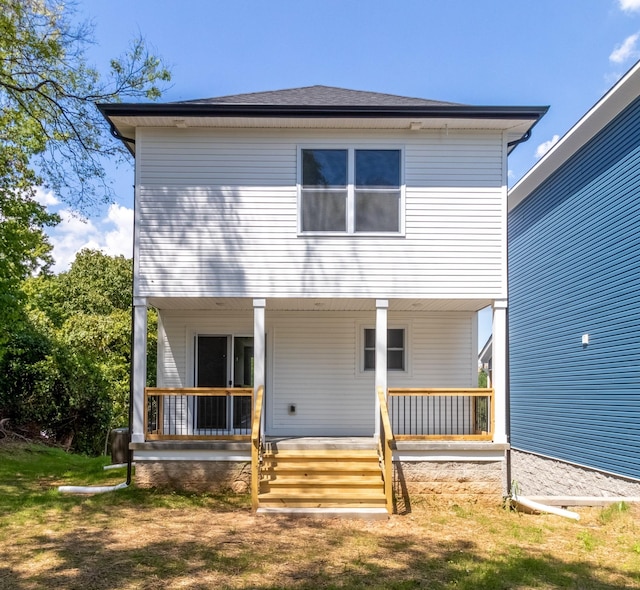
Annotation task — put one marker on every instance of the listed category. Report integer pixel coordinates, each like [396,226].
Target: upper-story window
[351,191]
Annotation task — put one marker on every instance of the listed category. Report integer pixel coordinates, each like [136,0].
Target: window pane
[369,338]
[377,211]
[324,168]
[378,168]
[242,413]
[324,211]
[395,360]
[395,338]
[395,349]
[212,413]
[369,360]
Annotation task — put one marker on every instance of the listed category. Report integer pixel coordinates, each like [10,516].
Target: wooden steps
[312,480]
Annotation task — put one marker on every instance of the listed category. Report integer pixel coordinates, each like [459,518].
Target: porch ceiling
[316,304]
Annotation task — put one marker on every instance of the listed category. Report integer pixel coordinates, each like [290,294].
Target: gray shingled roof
[318,96]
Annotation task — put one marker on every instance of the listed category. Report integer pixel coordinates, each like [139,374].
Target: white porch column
[500,369]
[258,343]
[382,307]
[139,376]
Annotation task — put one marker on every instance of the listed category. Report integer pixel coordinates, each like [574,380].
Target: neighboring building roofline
[621,95]
[484,356]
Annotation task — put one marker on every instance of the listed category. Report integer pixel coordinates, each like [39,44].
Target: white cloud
[45,197]
[112,235]
[119,240]
[543,148]
[629,5]
[626,50]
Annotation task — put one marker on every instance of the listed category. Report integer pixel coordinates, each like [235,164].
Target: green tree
[48,93]
[65,371]
[50,388]
[52,373]
[51,134]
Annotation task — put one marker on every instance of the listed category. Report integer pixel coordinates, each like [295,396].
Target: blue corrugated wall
[574,269]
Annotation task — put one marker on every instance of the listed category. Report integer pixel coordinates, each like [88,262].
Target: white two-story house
[317,257]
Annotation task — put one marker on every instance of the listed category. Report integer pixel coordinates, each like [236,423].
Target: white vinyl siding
[313,362]
[216,215]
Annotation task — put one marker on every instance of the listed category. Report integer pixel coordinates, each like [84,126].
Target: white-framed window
[396,349]
[350,190]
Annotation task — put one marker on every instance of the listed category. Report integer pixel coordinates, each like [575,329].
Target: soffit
[315,304]
[127,124]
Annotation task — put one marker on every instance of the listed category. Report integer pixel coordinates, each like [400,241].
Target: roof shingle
[318,96]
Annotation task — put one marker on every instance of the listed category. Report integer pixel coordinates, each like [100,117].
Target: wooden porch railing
[386,450]
[198,413]
[442,413]
[256,448]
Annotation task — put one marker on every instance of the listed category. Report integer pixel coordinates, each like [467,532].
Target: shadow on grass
[149,539]
[302,554]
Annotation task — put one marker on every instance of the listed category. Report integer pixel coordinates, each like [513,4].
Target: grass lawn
[147,539]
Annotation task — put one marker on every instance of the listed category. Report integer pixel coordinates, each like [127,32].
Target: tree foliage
[66,368]
[51,133]
[64,341]
[48,93]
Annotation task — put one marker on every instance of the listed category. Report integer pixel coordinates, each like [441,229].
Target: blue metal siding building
[574,270]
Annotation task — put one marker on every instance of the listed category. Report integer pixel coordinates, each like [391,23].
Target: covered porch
[401,396]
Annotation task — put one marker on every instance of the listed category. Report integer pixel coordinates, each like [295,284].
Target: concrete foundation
[456,481]
[541,476]
[461,471]
[195,476]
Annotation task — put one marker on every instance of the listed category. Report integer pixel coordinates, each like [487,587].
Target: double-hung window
[396,349]
[350,190]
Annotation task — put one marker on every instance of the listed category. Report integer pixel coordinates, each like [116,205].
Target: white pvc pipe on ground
[91,489]
[536,506]
[116,466]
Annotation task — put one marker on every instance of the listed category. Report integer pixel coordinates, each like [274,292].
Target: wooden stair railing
[256,447]
[386,450]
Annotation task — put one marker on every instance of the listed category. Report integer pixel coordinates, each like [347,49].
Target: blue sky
[561,53]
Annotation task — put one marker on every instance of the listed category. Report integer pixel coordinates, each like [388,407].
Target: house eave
[321,111]
[126,118]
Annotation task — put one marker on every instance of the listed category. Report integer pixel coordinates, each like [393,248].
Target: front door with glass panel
[223,361]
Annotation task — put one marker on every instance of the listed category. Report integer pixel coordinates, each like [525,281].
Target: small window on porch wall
[395,349]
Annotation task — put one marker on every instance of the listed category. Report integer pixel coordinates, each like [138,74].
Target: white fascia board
[621,95]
